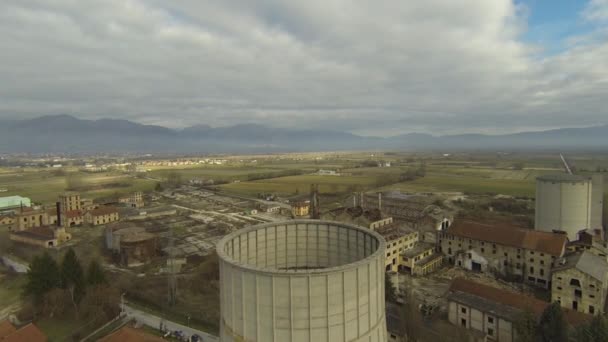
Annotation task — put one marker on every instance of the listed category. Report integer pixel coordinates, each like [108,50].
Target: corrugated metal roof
[14,201]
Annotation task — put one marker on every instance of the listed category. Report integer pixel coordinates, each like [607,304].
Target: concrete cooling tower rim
[221,247]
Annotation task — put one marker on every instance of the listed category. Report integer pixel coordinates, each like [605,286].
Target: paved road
[154,322]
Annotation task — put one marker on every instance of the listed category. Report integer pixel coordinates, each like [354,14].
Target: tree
[526,327]
[595,331]
[95,275]
[552,327]
[390,293]
[158,187]
[72,278]
[100,303]
[42,276]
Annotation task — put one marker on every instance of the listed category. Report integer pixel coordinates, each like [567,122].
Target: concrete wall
[493,327]
[562,205]
[302,281]
[597,204]
[593,291]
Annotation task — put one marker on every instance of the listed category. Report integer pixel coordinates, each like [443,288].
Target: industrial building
[302,281]
[498,247]
[493,312]
[131,245]
[568,203]
[580,282]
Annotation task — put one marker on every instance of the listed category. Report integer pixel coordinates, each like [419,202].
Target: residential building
[101,215]
[580,282]
[14,202]
[27,333]
[134,200]
[421,259]
[512,252]
[46,237]
[398,239]
[493,312]
[300,209]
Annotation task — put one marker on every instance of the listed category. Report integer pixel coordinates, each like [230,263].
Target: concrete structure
[493,312]
[13,202]
[497,247]
[580,282]
[568,203]
[302,280]
[131,245]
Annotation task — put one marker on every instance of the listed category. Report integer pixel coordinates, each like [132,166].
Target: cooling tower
[302,281]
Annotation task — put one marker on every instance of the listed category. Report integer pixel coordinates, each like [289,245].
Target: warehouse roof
[14,201]
[509,235]
[37,233]
[504,303]
[563,177]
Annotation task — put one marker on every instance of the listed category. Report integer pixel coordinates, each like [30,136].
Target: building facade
[134,200]
[580,282]
[46,237]
[300,209]
[520,254]
[101,215]
[398,239]
[421,259]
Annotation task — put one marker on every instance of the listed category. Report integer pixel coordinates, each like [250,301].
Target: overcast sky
[366,66]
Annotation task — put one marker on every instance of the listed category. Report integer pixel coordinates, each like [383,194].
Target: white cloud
[365,66]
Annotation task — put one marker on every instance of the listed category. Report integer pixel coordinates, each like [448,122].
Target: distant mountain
[67,134]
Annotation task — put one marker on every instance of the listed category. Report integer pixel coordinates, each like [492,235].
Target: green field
[44,186]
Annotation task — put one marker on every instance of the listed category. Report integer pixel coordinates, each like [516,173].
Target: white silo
[302,281]
[564,202]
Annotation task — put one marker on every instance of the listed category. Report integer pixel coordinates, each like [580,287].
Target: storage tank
[564,202]
[302,281]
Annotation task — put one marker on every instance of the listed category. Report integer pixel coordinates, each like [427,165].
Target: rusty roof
[73,213]
[514,301]
[29,333]
[6,328]
[128,334]
[104,210]
[510,235]
[38,233]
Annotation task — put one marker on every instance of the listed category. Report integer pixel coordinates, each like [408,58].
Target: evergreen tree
[42,276]
[552,327]
[526,327]
[72,277]
[595,331]
[95,275]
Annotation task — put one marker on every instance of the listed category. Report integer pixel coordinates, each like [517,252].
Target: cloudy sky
[366,66]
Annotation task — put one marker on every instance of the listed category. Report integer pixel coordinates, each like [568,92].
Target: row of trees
[552,327]
[58,288]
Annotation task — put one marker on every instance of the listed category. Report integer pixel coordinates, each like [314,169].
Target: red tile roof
[509,235]
[105,210]
[29,333]
[514,300]
[72,213]
[128,334]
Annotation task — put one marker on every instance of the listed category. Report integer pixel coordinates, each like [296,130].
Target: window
[532,252]
[506,255]
[591,296]
[542,262]
[578,293]
[591,309]
[542,272]
[591,286]
[483,250]
[531,260]
[463,322]
[531,270]
[575,282]
[490,320]
[559,287]
[463,310]
[491,332]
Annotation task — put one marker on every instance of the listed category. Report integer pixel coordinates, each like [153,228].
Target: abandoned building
[522,254]
[44,236]
[580,282]
[492,312]
[130,245]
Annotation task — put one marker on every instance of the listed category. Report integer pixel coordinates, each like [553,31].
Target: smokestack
[58,206]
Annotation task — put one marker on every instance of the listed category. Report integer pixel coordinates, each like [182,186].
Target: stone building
[580,282]
[300,209]
[134,200]
[46,237]
[70,202]
[493,312]
[398,239]
[101,215]
[7,221]
[517,253]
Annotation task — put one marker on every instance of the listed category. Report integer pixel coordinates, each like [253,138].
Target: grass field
[301,184]
[44,186]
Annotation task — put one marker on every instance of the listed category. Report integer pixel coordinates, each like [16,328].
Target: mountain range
[67,134]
